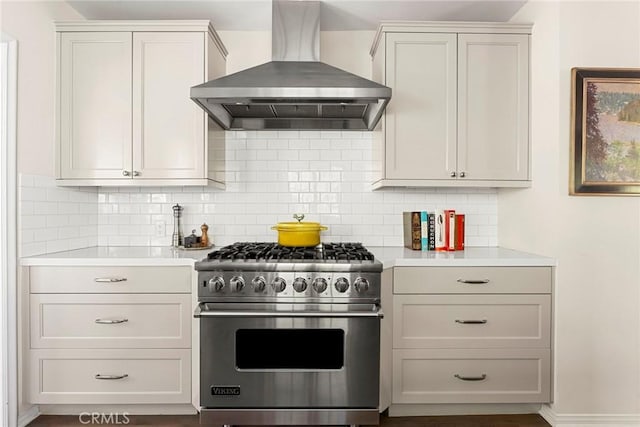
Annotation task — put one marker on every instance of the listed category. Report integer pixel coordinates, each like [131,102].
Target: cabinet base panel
[140,183]
[391,183]
[289,417]
[463,409]
[150,409]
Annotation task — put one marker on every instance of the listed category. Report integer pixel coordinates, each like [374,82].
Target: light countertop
[389,256]
[120,255]
[469,257]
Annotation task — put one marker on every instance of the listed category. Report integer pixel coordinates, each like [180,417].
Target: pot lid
[299,226]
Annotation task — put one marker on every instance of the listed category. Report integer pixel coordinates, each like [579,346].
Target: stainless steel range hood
[295,90]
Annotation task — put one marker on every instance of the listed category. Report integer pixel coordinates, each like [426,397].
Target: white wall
[595,239]
[246,48]
[348,50]
[31,24]
[50,219]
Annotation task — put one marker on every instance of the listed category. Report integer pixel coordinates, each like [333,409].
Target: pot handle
[322,227]
[274,227]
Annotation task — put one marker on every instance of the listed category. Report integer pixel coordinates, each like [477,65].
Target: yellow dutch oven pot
[299,233]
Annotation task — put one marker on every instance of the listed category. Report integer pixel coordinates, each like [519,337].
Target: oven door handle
[200,313]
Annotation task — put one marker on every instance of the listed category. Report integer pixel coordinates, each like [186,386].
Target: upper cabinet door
[94,105]
[421,116]
[493,107]
[168,128]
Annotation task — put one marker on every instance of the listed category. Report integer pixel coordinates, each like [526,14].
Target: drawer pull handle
[111,321]
[480,378]
[473,281]
[110,279]
[111,377]
[471,322]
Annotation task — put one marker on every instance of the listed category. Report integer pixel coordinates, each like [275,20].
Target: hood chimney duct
[295,31]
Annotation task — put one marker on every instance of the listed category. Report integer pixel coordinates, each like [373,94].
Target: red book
[450,230]
[459,233]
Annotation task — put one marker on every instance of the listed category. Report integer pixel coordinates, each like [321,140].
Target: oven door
[289,355]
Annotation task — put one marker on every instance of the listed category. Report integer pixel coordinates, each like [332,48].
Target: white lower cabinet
[472,321]
[110,321]
[107,376]
[100,335]
[471,375]
[470,335]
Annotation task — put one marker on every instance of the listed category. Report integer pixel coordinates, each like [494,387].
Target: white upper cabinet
[459,112]
[125,115]
[95,105]
[493,109]
[422,113]
[168,127]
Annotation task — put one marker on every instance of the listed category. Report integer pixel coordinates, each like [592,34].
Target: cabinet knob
[136,173]
[126,173]
[462,174]
[453,174]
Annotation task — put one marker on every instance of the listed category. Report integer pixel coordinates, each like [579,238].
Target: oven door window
[308,349]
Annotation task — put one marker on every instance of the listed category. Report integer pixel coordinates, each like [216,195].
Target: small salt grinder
[177,239]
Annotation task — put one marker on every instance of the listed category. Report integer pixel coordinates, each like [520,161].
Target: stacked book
[440,230]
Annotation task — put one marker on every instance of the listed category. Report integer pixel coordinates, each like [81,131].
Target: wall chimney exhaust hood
[295,90]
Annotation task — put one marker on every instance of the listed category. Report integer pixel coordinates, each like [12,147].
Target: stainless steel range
[289,336]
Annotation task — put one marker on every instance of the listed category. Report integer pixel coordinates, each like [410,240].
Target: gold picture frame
[605,131]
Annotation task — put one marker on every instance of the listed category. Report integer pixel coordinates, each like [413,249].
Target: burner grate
[257,251]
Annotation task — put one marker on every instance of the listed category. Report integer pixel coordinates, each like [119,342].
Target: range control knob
[319,285]
[259,284]
[216,284]
[278,284]
[342,285]
[361,285]
[300,284]
[236,283]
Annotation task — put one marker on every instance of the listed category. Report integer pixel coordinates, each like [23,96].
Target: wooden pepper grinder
[204,239]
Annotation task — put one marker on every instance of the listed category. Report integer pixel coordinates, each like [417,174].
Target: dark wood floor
[528,420]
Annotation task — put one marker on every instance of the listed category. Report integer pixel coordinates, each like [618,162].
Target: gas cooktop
[271,256]
[273,252]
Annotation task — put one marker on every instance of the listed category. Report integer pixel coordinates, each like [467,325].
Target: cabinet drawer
[471,321]
[446,376]
[472,280]
[110,320]
[111,279]
[69,376]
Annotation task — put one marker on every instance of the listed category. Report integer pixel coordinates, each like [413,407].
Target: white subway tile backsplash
[53,219]
[31,249]
[56,246]
[270,175]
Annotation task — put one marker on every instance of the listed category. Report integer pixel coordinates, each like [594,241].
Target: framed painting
[605,131]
